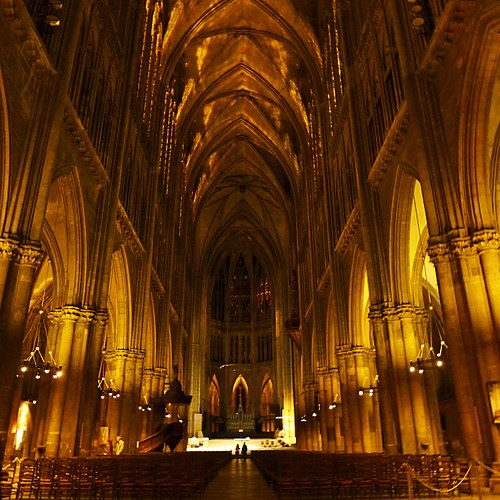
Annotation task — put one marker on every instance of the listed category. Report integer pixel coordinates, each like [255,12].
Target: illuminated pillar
[66,319]
[469,315]
[18,263]
[89,406]
[145,414]
[386,393]
[422,418]
[74,375]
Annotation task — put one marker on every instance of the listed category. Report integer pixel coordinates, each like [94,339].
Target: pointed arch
[479,127]
[4,151]
[65,227]
[240,400]
[359,302]
[149,335]
[119,302]
[422,271]
[214,404]
[267,407]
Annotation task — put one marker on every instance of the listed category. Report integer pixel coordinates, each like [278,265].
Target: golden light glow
[23,420]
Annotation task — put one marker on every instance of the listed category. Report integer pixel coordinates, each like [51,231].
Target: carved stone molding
[7,248]
[129,234]
[32,48]
[486,240]
[324,371]
[388,151]
[349,232]
[126,354]
[383,313]
[463,246]
[27,254]
[450,24]
[439,252]
[84,146]
[101,318]
[148,373]
[71,313]
[355,352]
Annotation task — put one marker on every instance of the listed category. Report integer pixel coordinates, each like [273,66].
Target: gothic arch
[359,302]
[240,395]
[119,302]
[422,271]
[65,226]
[332,335]
[4,150]
[149,342]
[400,253]
[214,396]
[267,407]
[480,125]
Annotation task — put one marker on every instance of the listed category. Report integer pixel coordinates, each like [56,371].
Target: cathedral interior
[275,217]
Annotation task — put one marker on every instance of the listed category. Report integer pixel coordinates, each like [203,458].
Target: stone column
[487,245]
[469,314]
[146,392]
[122,413]
[386,395]
[328,396]
[422,419]
[66,319]
[18,263]
[90,402]
[361,421]
[75,381]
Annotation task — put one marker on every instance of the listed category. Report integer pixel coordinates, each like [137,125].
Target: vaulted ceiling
[248,69]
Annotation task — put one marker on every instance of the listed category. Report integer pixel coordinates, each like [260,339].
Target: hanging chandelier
[371,389]
[428,358]
[36,362]
[106,388]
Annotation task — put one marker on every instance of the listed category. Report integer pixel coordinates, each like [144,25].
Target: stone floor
[241,479]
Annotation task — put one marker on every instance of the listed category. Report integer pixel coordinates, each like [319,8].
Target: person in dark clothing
[244,450]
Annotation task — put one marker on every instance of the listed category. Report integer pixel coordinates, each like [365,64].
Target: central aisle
[239,479]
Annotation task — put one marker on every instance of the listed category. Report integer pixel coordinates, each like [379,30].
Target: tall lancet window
[240,293]
[263,298]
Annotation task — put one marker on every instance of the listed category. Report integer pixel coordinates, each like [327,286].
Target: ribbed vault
[246,70]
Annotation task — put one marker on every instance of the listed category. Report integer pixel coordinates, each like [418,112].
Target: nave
[263,474]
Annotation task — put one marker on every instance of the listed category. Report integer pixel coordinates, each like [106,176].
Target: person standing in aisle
[120,444]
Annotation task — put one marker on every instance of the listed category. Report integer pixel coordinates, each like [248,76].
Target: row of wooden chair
[363,476]
[150,476]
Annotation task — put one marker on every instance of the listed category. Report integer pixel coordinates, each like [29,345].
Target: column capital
[101,318]
[148,373]
[447,247]
[486,240]
[7,248]
[388,312]
[327,370]
[126,354]
[71,313]
[29,253]
[355,352]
